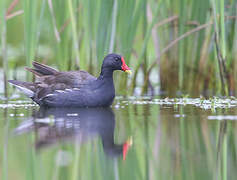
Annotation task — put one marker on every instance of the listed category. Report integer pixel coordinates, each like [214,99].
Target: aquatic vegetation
[121,102]
[212,103]
[21,104]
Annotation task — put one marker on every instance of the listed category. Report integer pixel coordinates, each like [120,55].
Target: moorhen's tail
[26,87]
[41,69]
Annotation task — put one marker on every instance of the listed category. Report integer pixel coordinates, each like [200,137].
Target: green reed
[219,30]
[30,28]
[74,33]
[60,22]
[78,34]
[3,36]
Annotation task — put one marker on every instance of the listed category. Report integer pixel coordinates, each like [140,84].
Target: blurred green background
[183,46]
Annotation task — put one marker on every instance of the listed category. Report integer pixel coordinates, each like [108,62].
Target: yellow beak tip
[128,71]
[130,141]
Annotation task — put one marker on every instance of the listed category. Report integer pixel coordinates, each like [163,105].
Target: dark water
[135,139]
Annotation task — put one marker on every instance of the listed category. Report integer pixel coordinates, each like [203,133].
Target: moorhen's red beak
[124,67]
[126,147]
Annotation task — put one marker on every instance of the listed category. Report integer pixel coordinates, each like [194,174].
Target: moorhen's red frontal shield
[125,67]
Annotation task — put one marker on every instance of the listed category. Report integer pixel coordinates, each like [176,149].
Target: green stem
[74,32]
[3,30]
[113,31]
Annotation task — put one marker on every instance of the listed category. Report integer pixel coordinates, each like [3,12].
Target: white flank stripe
[60,91]
[26,91]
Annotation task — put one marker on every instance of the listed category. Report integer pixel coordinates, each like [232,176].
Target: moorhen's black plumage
[73,88]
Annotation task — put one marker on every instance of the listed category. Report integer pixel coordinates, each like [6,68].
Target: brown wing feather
[44,69]
[34,71]
[48,80]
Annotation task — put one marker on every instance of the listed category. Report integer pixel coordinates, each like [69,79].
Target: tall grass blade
[40,25]
[56,32]
[104,29]
[220,47]
[74,32]
[222,28]
[182,47]
[3,31]
[30,27]
[113,28]
[63,48]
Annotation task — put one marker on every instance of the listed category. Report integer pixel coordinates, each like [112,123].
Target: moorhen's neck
[106,73]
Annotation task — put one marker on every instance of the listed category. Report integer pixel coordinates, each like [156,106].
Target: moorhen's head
[115,62]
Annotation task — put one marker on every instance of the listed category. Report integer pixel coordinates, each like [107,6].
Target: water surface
[138,138]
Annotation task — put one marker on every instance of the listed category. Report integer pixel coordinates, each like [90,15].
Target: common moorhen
[73,88]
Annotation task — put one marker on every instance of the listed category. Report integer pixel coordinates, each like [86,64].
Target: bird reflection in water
[55,125]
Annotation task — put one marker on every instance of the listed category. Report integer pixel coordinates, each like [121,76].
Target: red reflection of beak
[125,67]
[126,147]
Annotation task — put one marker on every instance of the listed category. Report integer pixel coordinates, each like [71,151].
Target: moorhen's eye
[116,59]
